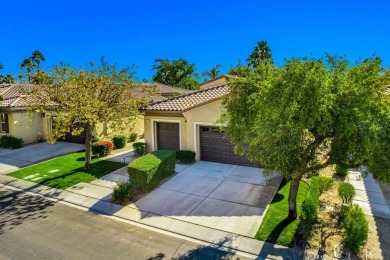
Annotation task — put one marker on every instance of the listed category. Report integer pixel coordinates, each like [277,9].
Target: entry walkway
[369,195]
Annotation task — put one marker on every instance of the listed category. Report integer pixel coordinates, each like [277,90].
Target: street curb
[236,243]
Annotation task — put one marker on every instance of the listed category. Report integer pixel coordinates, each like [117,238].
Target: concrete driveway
[220,196]
[11,160]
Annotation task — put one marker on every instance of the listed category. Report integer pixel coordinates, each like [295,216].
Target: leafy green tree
[308,114]
[179,73]
[213,72]
[7,79]
[261,53]
[78,99]
[37,57]
[27,65]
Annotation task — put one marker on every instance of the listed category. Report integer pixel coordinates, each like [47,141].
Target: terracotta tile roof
[166,90]
[13,96]
[217,78]
[190,100]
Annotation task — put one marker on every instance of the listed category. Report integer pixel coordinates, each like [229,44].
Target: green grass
[275,228]
[66,171]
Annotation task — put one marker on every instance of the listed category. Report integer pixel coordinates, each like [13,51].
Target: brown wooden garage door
[168,136]
[215,146]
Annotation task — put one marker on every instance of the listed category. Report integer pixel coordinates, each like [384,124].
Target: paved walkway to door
[369,195]
[220,196]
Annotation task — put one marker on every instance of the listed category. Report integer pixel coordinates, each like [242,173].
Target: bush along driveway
[66,171]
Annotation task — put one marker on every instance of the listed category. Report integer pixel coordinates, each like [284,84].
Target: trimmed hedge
[7,141]
[147,171]
[356,228]
[119,141]
[185,156]
[346,192]
[310,205]
[102,148]
[139,148]
[318,184]
[323,183]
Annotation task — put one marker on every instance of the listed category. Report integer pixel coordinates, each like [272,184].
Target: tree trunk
[292,196]
[88,147]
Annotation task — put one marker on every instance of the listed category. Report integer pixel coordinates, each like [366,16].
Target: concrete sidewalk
[171,226]
[369,195]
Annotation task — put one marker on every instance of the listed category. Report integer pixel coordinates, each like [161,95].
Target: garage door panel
[168,136]
[216,146]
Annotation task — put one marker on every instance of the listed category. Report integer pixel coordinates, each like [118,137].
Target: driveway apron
[219,196]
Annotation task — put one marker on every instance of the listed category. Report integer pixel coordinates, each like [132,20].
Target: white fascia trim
[154,131]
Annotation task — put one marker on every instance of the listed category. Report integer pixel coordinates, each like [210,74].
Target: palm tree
[261,53]
[28,65]
[213,72]
[1,66]
[37,57]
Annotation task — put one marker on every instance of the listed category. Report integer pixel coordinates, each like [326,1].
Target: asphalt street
[33,227]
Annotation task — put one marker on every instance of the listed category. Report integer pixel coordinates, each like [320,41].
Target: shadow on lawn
[17,207]
[275,233]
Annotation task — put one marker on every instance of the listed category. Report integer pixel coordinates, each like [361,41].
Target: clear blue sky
[204,32]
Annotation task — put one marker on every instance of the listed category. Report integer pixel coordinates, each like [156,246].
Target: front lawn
[66,171]
[275,228]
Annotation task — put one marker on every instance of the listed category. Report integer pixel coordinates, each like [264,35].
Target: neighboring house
[188,122]
[17,122]
[216,81]
[14,119]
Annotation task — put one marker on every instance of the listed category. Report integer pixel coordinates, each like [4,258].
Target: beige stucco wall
[104,130]
[23,125]
[213,83]
[150,130]
[207,114]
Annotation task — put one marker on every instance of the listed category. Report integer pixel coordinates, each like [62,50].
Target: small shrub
[7,141]
[185,156]
[342,170]
[133,137]
[356,228]
[108,143]
[147,171]
[346,192]
[102,148]
[123,191]
[323,183]
[119,141]
[139,148]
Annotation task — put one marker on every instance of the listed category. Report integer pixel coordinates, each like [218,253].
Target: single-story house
[188,122]
[17,122]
